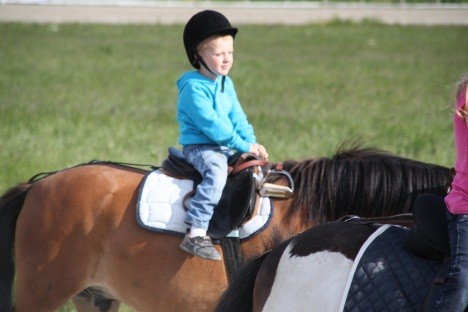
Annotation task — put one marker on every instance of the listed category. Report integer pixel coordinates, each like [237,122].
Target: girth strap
[232,255]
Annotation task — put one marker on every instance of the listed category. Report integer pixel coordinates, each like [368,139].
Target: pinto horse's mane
[364,181]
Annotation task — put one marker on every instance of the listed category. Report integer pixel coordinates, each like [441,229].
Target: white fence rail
[239,12]
[243,3]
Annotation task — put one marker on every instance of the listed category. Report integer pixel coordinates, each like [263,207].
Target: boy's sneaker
[200,247]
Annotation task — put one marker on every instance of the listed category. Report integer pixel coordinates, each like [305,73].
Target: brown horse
[74,234]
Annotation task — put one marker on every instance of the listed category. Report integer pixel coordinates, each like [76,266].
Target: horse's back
[78,199]
[63,232]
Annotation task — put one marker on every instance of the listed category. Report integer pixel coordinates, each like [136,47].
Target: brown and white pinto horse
[73,234]
[311,271]
[305,273]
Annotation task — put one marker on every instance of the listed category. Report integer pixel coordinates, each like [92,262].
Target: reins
[43,175]
[403,219]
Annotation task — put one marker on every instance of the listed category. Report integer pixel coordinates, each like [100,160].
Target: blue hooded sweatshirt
[208,115]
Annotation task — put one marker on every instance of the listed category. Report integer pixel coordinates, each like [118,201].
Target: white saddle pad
[160,209]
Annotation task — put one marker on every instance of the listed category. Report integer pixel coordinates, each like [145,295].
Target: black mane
[362,181]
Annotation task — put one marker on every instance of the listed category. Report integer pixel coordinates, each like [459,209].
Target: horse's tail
[10,206]
[239,295]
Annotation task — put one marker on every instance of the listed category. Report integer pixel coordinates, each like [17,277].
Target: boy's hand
[258,150]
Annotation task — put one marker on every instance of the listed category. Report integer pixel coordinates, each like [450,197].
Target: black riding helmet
[201,26]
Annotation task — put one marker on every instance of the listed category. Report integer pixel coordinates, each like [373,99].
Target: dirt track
[238,15]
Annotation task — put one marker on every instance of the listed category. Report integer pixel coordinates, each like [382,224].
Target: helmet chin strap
[202,63]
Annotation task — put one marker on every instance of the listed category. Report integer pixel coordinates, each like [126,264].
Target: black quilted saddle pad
[389,277]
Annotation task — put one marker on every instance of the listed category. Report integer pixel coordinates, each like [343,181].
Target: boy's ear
[195,60]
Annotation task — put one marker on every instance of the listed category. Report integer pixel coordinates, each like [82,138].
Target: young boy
[211,121]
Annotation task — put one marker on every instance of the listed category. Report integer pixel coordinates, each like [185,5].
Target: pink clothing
[457,199]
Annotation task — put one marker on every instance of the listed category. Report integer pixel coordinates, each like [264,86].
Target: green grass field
[73,93]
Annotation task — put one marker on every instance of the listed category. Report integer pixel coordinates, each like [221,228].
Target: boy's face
[218,54]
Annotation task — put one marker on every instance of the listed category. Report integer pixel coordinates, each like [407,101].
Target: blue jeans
[211,161]
[452,296]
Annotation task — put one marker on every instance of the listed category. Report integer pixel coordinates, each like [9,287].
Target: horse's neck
[281,227]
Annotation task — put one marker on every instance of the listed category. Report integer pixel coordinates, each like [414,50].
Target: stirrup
[277,191]
[273,190]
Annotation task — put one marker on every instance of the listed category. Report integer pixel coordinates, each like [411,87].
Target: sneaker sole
[199,256]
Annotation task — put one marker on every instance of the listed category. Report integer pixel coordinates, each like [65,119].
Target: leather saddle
[428,233]
[237,203]
[429,236]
